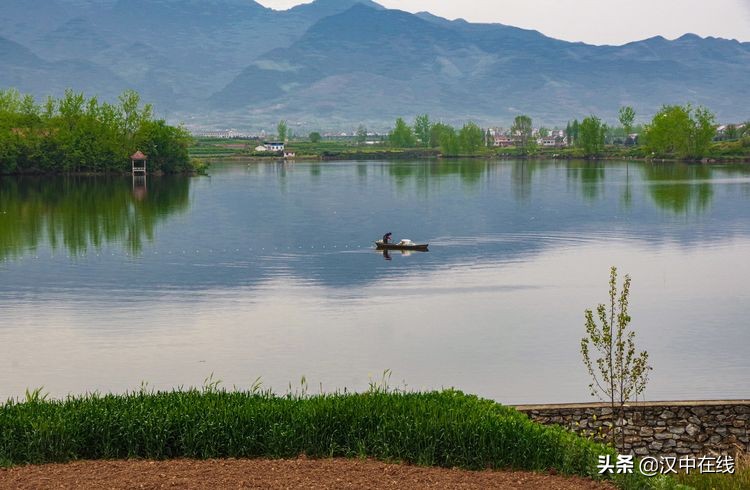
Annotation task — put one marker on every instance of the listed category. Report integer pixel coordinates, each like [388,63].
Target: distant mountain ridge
[336,63]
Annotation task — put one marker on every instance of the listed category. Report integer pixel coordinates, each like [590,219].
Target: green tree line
[676,131]
[79,134]
[426,134]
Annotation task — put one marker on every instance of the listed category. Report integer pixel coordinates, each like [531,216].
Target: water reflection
[680,188]
[470,172]
[270,270]
[76,213]
[388,254]
[292,202]
[521,176]
[591,176]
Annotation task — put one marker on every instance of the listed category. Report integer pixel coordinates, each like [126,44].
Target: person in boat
[387,238]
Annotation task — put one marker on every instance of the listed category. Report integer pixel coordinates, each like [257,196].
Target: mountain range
[338,63]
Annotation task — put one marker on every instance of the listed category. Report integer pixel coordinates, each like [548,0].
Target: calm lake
[269,270]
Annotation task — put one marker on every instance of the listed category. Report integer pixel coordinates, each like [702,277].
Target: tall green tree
[681,131]
[166,146]
[522,130]
[450,144]
[10,101]
[627,117]
[591,137]
[470,138]
[315,137]
[282,131]
[361,135]
[437,132]
[422,129]
[402,135]
[575,129]
[133,113]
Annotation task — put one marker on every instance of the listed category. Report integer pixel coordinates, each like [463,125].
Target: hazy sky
[591,21]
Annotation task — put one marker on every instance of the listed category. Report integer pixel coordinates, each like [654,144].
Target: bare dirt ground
[278,474]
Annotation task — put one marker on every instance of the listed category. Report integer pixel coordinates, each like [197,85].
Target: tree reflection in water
[680,188]
[76,213]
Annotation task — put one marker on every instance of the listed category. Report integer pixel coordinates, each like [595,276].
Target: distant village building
[274,147]
[220,134]
[728,131]
[555,139]
[557,133]
[631,140]
[503,141]
[289,154]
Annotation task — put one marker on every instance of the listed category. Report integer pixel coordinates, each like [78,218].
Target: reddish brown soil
[299,473]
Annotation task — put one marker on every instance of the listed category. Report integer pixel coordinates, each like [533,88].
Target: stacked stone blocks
[670,429]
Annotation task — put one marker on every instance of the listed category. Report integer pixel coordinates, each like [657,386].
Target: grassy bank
[447,429]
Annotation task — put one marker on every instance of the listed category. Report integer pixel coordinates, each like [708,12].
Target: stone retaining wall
[659,429]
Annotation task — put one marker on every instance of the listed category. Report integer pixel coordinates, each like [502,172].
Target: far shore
[502,157]
[385,156]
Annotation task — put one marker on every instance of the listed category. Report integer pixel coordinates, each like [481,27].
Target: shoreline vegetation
[437,429]
[76,135]
[207,148]
[676,133]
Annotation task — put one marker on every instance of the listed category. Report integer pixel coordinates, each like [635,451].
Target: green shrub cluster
[75,134]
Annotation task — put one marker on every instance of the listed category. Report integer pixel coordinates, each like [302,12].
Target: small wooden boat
[403,245]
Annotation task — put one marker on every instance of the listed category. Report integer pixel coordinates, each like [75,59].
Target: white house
[502,141]
[274,146]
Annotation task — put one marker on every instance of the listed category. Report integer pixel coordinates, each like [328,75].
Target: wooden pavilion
[138,161]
